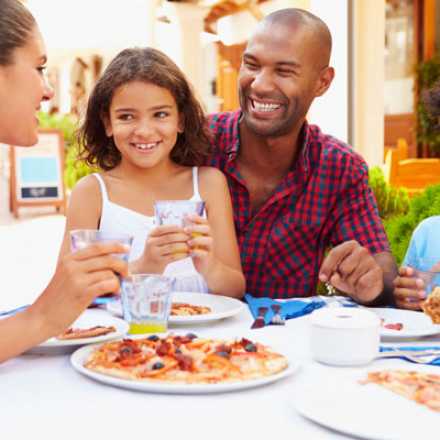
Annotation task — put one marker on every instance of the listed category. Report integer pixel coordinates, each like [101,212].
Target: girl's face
[144,122]
[22,89]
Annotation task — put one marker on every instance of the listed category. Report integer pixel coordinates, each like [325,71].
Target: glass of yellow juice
[175,212]
[146,302]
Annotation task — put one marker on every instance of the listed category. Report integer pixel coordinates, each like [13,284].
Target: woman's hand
[79,277]
[201,243]
[164,245]
[409,291]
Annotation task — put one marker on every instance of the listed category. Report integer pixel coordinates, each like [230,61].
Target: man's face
[278,79]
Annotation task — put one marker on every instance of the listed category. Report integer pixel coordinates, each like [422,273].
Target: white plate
[221,306]
[415,324]
[89,318]
[79,357]
[365,411]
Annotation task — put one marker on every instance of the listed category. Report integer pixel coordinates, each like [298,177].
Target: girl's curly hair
[152,66]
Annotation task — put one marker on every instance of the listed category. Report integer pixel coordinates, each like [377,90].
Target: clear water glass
[146,302]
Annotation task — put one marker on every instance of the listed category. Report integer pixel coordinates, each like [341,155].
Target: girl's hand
[164,245]
[200,243]
[409,291]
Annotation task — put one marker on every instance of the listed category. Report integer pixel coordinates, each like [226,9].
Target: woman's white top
[118,219]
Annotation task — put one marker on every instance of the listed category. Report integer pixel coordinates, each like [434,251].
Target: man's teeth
[263,107]
[146,146]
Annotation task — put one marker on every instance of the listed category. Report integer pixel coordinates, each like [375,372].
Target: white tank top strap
[102,186]
[196,194]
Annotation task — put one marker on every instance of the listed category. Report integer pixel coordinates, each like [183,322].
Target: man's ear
[324,80]
[107,125]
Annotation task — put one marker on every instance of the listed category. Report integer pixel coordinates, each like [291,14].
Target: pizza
[423,388]
[432,305]
[391,325]
[185,359]
[185,309]
[79,333]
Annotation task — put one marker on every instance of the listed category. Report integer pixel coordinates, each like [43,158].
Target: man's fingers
[105,285]
[334,258]
[406,271]
[409,283]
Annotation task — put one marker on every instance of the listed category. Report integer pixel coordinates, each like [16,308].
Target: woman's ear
[181,126]
[107,125]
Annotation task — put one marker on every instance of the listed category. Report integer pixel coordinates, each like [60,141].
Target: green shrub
[390,201]
[400,228]
[74,169]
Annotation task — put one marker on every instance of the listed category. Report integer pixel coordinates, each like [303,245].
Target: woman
[80,276]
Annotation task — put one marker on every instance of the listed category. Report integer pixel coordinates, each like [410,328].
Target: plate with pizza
[192,307]
[378,404]
[405,324]
[182,364]
[92,326]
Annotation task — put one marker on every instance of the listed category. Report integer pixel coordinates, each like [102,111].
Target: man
[297,192]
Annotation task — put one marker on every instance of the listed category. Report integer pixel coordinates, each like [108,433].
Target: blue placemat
[288,309]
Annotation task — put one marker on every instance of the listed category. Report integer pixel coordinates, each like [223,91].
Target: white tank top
[118,219]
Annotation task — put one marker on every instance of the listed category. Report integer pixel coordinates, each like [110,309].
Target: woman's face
[22,89]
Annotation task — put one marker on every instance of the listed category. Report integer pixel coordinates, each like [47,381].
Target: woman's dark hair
[431,99]
[16,25]
[151,66]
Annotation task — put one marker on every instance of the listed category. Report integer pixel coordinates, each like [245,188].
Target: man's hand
[409,291]
[351,268]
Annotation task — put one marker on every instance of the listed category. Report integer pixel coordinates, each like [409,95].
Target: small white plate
[89,318]
[81,355]
[415,324]
[221,307]
[365,411]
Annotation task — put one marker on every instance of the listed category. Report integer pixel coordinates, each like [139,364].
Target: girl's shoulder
[212,183]
[211,175]
[87,188]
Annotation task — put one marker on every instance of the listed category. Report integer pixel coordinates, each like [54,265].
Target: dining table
[43,397]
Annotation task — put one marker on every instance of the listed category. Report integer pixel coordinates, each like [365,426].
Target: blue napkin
[436,361]
[293,308]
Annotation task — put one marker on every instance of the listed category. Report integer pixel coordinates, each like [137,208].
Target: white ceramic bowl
[344,336]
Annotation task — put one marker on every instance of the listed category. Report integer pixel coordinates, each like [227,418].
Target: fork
[423,357]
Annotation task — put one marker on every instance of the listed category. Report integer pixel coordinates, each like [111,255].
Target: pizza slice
[432,306]
[423,388]
[185,309]
[80,333]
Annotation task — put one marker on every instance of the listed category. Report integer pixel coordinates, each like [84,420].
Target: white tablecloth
[42,397]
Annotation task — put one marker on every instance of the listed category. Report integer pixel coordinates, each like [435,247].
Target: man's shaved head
[300,20]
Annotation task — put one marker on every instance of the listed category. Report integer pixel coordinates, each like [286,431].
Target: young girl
[146,132]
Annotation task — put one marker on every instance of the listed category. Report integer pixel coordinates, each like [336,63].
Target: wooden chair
[413,174]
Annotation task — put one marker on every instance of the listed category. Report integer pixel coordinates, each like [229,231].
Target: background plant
[74,169]
[427,73]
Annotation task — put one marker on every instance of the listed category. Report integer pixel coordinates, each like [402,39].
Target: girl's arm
[217,257]
[84,210]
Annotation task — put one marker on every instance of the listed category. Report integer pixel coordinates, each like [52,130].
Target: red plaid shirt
[324,200]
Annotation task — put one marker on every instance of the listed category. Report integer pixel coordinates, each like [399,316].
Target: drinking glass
[146,302]
[427,269]
[81,238]
[176,212]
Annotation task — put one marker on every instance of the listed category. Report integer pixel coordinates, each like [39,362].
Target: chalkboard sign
[37,173]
